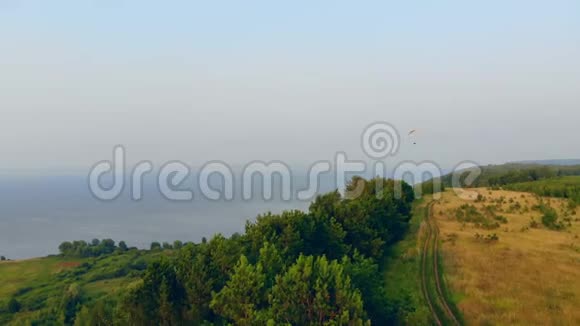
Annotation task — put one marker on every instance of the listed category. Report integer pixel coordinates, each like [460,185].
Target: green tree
[133,307]
[107,246]
[155,245]
[99,313]
[286,231]
[159,300]
[198,274]
[177,244]
[83,317]
[271,262]
[168,312]
[316,291]
[123,246]
[224,254]
[65,248]
[241,295]
[325,205]
[367,277]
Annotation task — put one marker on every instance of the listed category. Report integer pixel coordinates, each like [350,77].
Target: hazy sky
[246,80]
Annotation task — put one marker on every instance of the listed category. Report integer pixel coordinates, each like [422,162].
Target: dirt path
[424,267]
[444,315]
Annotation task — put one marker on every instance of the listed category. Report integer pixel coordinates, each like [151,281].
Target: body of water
[37,213]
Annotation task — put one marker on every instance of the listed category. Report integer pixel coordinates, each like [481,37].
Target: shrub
[488,225]
[501,219]
[487,238]
[524,228]
[13,306]
[492,237]
[550,218]
[452,237]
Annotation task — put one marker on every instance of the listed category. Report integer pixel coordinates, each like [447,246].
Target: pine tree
[239,298]
[271,263]
[315,291]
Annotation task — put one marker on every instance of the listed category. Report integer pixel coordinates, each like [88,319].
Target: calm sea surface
[37,213]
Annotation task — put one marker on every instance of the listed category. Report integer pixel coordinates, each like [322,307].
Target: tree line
[510,173]
[565,187]
[95,248]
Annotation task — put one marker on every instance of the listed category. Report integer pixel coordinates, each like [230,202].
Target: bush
[488,225]
[13,306]
[501,219]
[487,238]
[550,218]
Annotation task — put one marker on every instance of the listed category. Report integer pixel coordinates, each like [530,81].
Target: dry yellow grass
[530,276]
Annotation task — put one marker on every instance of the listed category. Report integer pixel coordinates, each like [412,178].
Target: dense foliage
[430,187]
[564,187]
[93,249]
[501,175]
[318,267]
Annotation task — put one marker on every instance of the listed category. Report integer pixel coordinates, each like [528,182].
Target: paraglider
[411,133]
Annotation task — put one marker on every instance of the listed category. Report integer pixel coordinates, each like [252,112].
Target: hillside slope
[38,284]
[503,265]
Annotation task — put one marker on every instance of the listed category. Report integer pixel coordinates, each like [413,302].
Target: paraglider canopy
[412,132]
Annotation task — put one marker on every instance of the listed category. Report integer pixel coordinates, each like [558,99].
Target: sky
[298,81]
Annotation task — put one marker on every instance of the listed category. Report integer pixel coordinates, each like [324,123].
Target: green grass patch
[402,273]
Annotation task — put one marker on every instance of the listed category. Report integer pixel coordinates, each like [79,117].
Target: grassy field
[503,266]
[16,275]
[38,283]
